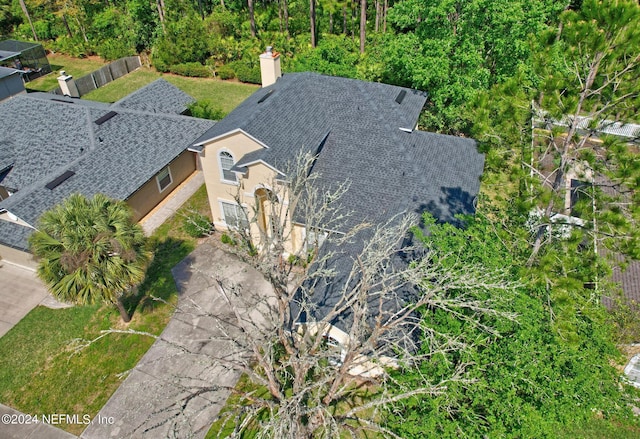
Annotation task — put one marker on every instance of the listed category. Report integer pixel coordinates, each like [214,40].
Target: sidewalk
[172,203]
[20,292]
[179,386]
[15,426]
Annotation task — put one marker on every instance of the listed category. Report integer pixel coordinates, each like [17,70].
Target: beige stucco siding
[149,195]
[259,175]
[237,144]
[17,257]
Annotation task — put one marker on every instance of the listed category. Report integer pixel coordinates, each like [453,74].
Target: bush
[226,239]
[226,72]
[75,47]
[205,110]
[246,72]
[192,69]
[114,49]
[196,225]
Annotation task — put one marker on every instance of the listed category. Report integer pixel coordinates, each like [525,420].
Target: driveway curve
[177,389]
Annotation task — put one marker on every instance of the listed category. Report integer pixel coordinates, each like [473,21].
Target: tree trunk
[363,24]
[252,18]
[384,16]
[377,25]
[285,10]
[26,12]
[330,22]
[344,20]
[123,312]
[66,25]
[566,149]
[312,20]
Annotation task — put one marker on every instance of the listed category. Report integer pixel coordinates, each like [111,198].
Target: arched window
[226,163]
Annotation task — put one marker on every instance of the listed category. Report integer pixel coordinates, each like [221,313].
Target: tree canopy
[90,250]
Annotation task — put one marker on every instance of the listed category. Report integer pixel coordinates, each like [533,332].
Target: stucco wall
[258,176]
[149,195]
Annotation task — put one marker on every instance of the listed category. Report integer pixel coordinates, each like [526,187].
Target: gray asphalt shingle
[157,97]
[360,130]
[115,158]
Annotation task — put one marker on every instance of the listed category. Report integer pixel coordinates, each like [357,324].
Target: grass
[77,67]
[223,94]
[39,372]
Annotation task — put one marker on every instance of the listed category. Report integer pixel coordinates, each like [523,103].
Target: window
[164,178]
[226,163]
[234,216]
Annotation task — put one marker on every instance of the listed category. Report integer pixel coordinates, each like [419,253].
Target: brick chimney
[68,85]
[270,67]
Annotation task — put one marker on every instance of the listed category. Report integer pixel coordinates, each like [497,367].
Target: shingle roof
[365,141]
[363,133]
[5,71]
[301,108]
[115,158]
[15,235]
[157,97]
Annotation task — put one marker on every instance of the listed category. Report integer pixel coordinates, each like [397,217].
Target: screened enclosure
[29,58]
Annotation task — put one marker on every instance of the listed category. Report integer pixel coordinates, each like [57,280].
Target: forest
[504,72]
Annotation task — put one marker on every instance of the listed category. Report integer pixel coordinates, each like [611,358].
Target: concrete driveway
[20,292]
[179,386]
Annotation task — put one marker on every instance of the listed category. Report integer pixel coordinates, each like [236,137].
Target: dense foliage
[525,379]
[451,48]
[499,71]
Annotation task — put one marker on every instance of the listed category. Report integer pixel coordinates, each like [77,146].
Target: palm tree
[90,251]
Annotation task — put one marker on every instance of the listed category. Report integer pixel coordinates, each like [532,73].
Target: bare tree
[327,368]
[321,364]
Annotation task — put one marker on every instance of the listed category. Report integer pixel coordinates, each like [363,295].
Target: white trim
[406,130]
[221,169]
[264,163]
[161,189]
[229,133]
[233,203]
[296,223]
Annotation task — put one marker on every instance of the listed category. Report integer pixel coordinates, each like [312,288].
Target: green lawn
[76,67]
[225,95]
[39,374]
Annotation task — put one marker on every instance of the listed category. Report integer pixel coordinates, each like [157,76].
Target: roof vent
[401,96]
[58,181]
[265,97]
[105,118]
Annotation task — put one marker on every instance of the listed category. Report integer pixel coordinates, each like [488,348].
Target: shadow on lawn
[159,282]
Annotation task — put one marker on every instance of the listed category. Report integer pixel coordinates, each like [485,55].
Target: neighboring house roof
[115,157]
[6,71]
[629,279]
[157,97]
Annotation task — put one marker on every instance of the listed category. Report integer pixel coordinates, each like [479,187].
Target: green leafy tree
[90,250]
[591,68]
[524,379]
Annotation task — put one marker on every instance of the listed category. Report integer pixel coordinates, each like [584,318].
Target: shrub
[205,110]
[226,239]
[246,72]
[196,225]
[226,72]
[114,49]
[192,69]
